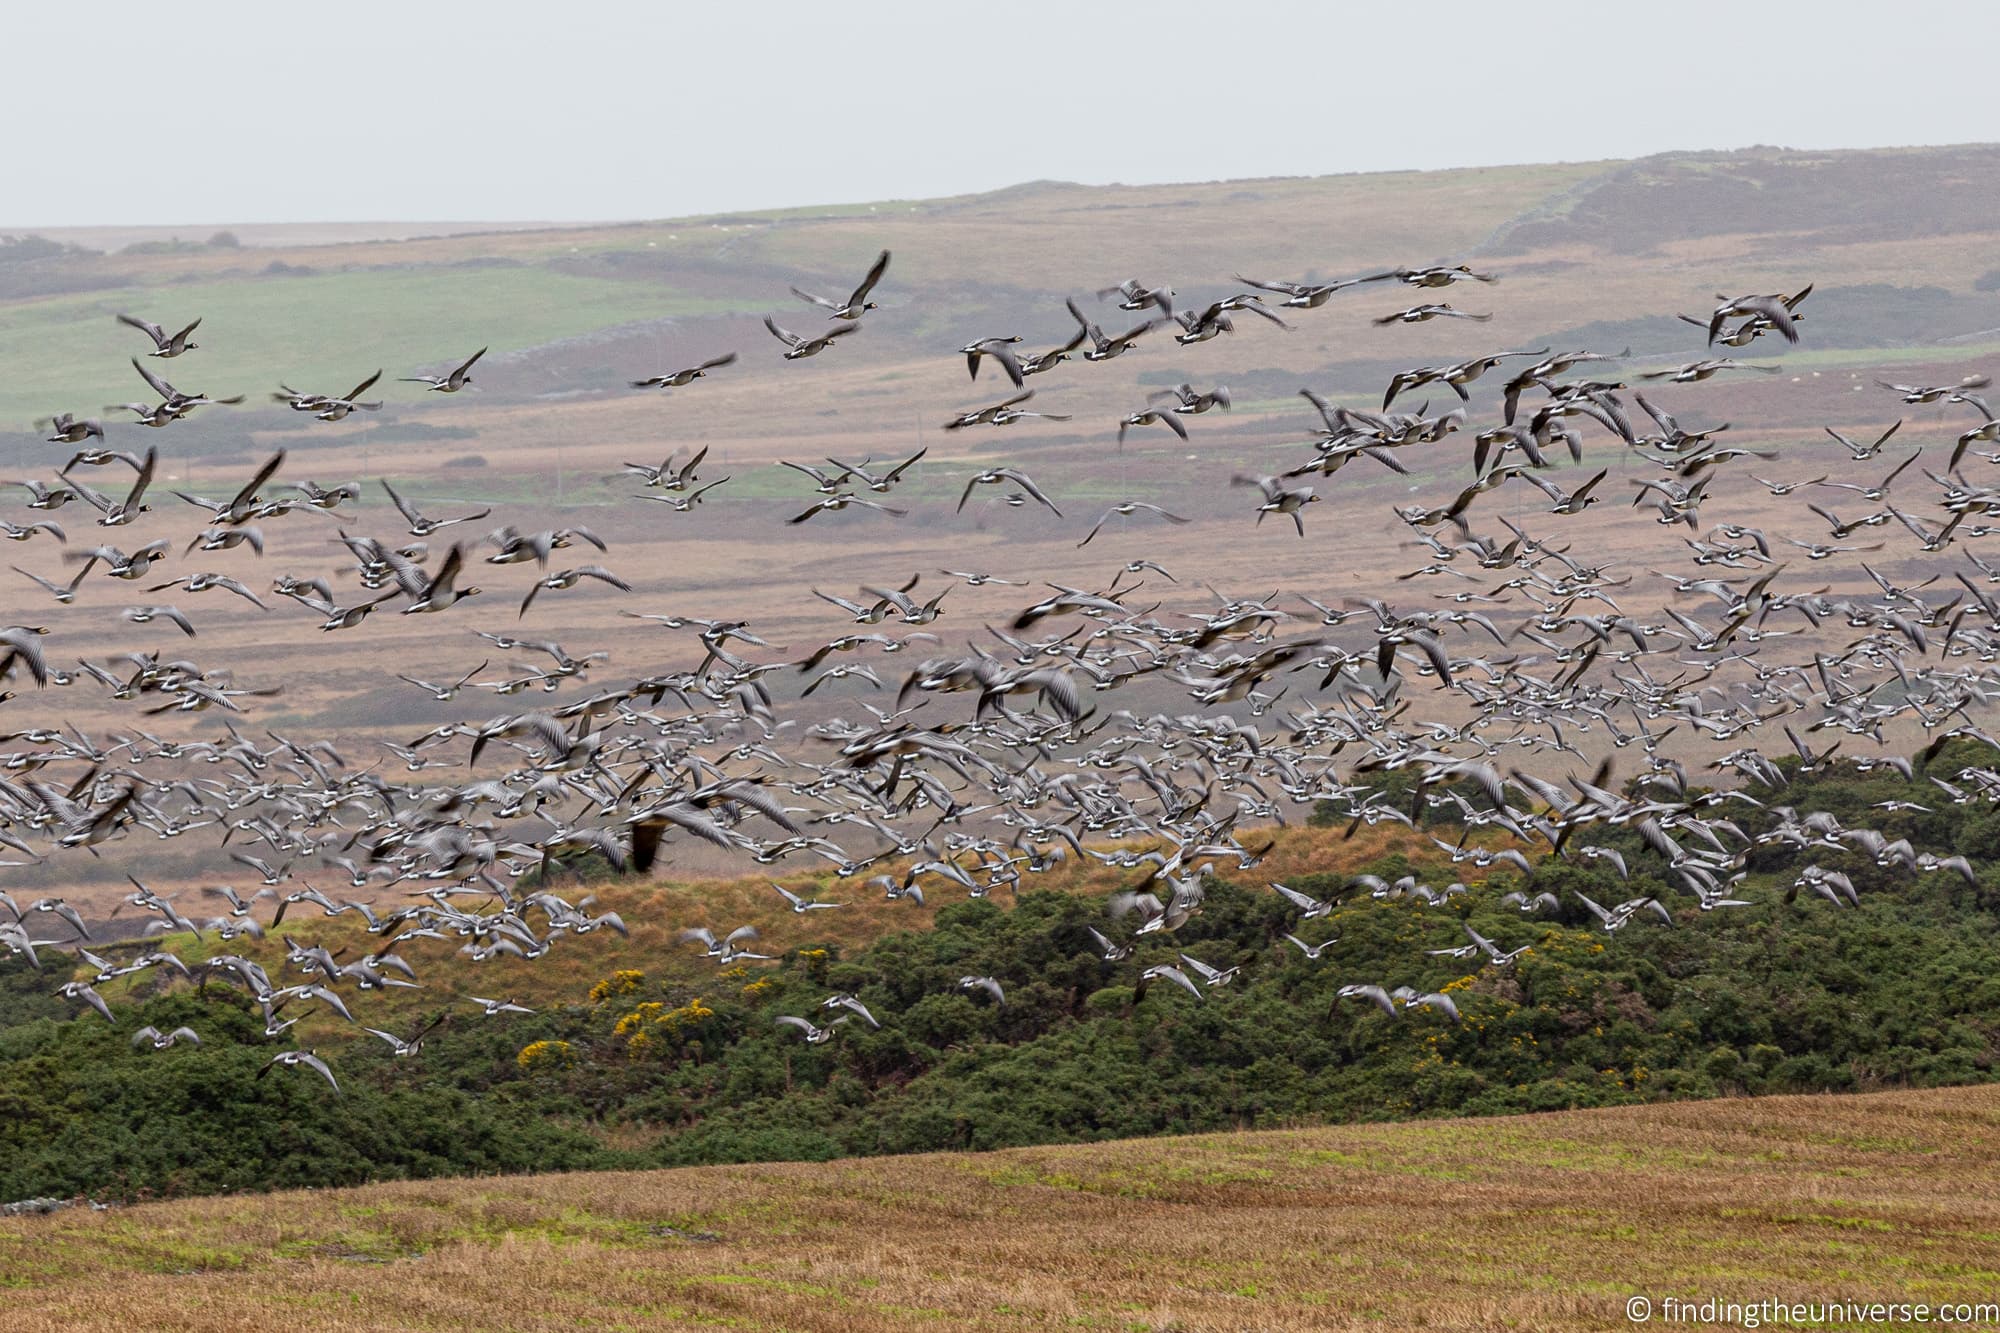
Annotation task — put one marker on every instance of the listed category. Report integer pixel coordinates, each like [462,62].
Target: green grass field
[322,332]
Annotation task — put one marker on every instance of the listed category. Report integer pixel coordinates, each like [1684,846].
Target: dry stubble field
[1543,1222]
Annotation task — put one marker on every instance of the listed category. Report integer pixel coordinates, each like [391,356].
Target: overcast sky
[217,111]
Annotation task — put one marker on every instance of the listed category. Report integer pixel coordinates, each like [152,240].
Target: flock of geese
[1494,694]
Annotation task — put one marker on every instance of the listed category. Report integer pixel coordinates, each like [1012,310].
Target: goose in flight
[1124,509]
[494,1008]
[1673,438]
[986,984]
[992,414]
[1147,416]
[1439,276]
[1774,310]
[1547,368]
[1861,452]
[724,948]
[1375,995]
[99,457]
[802,905]
[1434,1000]
[117,564]
[173,404]
[1495,955]
[1822,551]
[349,617]
[1313,951]
[244,504]
[142,615]
[450,382]
[72,430]
[1933,393]
[326,407]
[1696,371]
[1985,432]
[1279,498]
[400,1048]
[1189,402]
[117,513]
[1108,949]
[1163,972]
[1418,314]
[1104,348]
[18,533]
[840,500]
[421,526]
[55,907]
[160,1041]
[1303,295]
[296,1059]
[1617,917]
[666,476]
[513,547]
[1211,976]
[1006,475]
[1310,908]
[857,302]
[979,578]
[1568,502]
[325,498]
[824,484]
[679,378]
[1213,321]
[814,1034]
[43,496]
[851,1003]
[155,415]
[165,345]
[1036,362]
[1136,295]
[445,693]
[1877,493]
[63,593]
[841,672]
[430,592]
[798,347]
[82,990]
[569,578]
[1001,350]
[682,504]
[880,483]
[1956,393]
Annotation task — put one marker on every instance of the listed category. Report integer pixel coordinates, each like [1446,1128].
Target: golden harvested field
[1545,1222]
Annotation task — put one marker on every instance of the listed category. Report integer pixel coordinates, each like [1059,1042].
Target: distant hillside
[1904,234]
[1813,200]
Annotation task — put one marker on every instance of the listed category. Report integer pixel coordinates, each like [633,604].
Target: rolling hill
[1552,1222]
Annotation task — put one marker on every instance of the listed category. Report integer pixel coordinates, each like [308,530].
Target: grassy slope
[1547,1222]
[323,330]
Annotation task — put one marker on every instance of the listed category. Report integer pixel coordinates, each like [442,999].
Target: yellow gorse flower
[626,981]
[544,1055]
